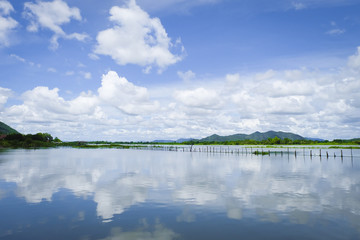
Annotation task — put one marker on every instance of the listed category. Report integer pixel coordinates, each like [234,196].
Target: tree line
[18,140]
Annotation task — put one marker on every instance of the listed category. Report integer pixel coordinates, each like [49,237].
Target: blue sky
[144,70]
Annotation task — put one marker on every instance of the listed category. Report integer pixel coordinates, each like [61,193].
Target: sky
[126,70]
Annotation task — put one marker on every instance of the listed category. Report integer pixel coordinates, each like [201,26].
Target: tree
[47,137]
[275,140]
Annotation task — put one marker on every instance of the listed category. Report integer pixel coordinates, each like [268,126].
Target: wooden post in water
[310,153]
[341,154]
[320,153]
[327,154]
[295,153]
[351,152]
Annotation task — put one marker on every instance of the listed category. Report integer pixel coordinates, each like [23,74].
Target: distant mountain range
[5,129]
[257,136]
[180,140]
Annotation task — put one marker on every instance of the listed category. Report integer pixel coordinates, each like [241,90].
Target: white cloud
[5,93]
[125,96]
[51,16]
[18,58]
[30,63]
[147,70]
[265,75]
[314,103]
[233,79]
[118,103]
[93,56]
[136,38]
[336,31]
[199,98]
[45,99]
[5,7]
[354,60]
[44,105]
[86,75]
[187,76]
[281,88]
[7,24]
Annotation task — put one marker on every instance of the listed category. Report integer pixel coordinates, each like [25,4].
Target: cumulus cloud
[199,97]
[5,93]
[354,60]
[125,96]
[312,103]
[118,103]
[45,105]
[50,101]
[136,38]
[7,24]
[51,16]
[233,79]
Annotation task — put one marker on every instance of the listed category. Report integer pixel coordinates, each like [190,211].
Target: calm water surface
[137,194]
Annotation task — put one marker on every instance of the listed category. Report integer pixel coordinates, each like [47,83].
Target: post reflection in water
[139,194]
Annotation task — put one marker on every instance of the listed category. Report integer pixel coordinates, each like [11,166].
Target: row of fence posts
[249,150]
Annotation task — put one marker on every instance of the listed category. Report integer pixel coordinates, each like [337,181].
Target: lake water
[113,194]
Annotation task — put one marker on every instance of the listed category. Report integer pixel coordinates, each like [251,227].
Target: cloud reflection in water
[236,185]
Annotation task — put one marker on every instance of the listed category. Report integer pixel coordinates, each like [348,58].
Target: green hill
[5,129]
[257,136]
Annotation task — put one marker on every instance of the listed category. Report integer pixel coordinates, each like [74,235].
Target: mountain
[181,140]
[315,139]
[257,136]
[163,141]
[5,129]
